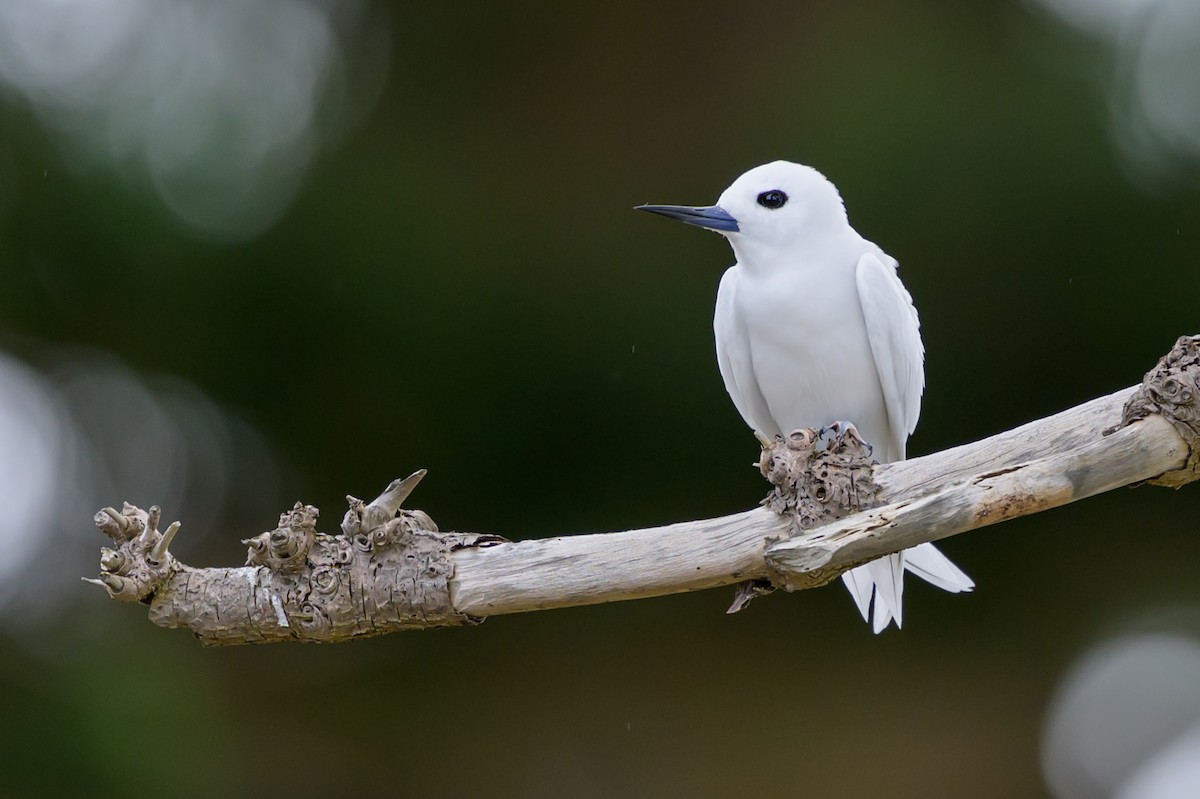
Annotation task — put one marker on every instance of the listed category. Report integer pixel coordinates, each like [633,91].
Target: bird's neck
[820,252]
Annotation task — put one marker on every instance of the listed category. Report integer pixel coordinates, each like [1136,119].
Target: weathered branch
[830,510]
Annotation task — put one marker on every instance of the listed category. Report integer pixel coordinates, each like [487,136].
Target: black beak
[712,217]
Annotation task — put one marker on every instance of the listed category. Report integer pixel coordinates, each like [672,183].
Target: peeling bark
[830,509]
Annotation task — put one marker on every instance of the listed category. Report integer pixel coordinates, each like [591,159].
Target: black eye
[772,199]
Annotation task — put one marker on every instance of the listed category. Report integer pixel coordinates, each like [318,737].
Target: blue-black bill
[712,217]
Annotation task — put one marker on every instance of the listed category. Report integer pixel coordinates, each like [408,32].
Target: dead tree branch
[830,509]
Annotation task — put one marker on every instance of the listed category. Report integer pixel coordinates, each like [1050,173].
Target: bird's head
[775,207]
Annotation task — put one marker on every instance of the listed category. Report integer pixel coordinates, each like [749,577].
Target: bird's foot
[841,434]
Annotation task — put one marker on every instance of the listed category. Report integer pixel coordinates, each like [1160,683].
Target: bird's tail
[884,578]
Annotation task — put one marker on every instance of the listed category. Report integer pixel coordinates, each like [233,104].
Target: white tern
[814,327]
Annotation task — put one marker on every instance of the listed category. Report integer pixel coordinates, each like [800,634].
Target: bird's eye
[772,199]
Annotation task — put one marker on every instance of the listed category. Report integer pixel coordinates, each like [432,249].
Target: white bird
[813,326]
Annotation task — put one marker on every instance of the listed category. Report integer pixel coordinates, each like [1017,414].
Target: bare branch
[1139,452]
[830,510]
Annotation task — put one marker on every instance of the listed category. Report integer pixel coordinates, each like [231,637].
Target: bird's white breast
[800,332]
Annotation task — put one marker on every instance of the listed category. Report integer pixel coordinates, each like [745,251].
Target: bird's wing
[895,335]
[723,324]
[734,361]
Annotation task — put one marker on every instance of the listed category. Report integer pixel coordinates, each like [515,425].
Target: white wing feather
[734,361]
[723,331]
[894,332]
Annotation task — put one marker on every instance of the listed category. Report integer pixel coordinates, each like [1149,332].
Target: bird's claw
[839,433]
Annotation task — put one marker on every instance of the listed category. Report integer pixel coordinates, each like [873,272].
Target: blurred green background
[255,255]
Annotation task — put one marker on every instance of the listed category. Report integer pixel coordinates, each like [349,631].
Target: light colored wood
[1066,457]
[1139,452]
[1063,432]
[588,569]
[391,569]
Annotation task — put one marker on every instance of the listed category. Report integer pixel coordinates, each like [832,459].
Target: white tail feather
[859,584]
[883,579]
[883,616]
[933,567]
[888,576]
